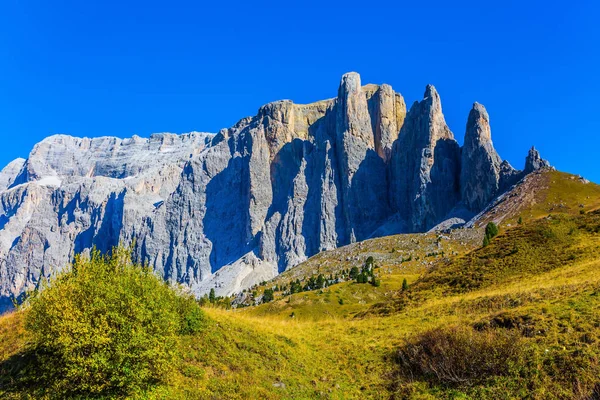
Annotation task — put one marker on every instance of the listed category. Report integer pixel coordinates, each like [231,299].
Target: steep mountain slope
[531,313]
[228,210]
[539,195]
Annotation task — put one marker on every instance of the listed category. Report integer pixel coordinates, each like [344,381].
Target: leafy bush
[107,327]
[192,319]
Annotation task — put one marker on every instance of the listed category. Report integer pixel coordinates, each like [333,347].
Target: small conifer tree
[486,241]
[268,296]
[491,230]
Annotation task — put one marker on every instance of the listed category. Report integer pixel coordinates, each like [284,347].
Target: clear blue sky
[93,68]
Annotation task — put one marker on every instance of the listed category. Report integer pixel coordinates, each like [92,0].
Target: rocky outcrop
[362,169]
[425,165]
[390,114]
[10,173]
[481,165]
[231,209]
[534,161]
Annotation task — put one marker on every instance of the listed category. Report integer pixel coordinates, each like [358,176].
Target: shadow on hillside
[20,375]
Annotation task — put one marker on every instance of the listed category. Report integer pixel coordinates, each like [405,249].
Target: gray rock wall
[231,209]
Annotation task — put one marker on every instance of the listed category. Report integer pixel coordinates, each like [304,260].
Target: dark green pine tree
[486,240]
[320,282]
[404,285]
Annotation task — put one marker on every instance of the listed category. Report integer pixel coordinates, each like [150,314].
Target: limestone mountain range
[231,209]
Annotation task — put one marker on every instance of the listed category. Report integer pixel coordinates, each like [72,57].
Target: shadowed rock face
[480,174]
[425,165]
[231,209]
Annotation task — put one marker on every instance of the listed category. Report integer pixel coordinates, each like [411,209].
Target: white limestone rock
[232,209]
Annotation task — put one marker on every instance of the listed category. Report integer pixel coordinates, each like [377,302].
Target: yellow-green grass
[396,257]
[566,193]
[542,193]
[326,351]
[548,292]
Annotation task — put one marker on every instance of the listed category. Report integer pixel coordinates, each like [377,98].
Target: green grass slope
[518,318]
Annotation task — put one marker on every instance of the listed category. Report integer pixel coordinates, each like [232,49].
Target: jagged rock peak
[479,115]
[432,105]
[534,161]
[425,165]
[389,118]
[350,84]
[229,210]
[353,117]
[478,131]
[480,163]
[9,174]
[431,93]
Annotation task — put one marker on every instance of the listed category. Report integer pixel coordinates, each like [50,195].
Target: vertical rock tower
[231,209]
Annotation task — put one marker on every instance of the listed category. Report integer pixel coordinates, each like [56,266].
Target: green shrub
[362,278]
[192,318]
[268,296]
[486,241]
[491,230]
[295,287]
[320,282]
[107,327]
[404,285]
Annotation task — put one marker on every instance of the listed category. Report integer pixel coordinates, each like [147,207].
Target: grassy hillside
[541,193]
[515,319]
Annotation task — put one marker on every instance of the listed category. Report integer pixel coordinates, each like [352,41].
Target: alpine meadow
[368,245]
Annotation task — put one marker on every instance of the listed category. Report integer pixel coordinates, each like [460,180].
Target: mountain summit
[231,209]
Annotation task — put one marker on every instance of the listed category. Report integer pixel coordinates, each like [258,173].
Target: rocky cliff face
[481,181]
[425,165]
[231,209]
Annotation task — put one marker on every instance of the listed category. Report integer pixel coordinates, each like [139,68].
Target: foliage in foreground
[547,352]
[460,355]
[536,282]
[107,327]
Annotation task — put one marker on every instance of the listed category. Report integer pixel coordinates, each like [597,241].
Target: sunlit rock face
[231,209]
